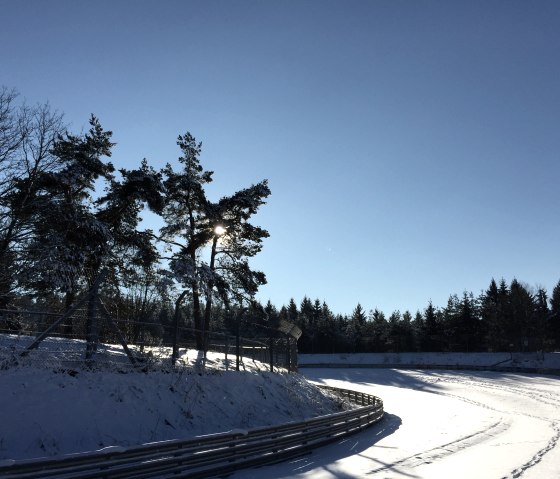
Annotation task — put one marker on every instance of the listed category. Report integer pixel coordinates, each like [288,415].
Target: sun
[219,230]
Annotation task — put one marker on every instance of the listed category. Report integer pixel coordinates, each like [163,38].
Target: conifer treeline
[502,318]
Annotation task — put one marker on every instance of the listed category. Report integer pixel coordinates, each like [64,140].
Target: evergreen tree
[305,322]
[69,243]
[328,334]
[188,227]
[468,326]
[194,223]
[418,328]
[554,316]
[491,318]
[408,340]
[271,313]
[520,330]
[293,312]
[451,323]
[359,315]
[541,318]
[432,333]
[379,329]
[394,333]
[355,327]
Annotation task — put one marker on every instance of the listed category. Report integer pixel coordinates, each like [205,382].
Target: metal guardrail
[443,367]
[206,456]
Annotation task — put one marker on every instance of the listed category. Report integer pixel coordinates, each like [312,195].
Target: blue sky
[412,147]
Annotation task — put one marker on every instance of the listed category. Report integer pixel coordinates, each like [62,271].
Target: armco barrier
[450,367]
[206,456]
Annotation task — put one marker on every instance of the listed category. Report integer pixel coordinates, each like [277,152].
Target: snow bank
[49,408]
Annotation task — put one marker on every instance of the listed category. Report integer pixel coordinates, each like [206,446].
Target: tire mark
[538,395]
[439,452]
[518,472]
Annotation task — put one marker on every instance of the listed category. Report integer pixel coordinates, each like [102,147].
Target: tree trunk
[177,318]
[208,309]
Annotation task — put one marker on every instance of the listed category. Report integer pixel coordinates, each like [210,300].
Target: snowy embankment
[522,362]
[48,408]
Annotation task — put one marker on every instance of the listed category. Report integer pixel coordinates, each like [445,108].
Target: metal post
[271,347]
[92,333]
[227,347]
[237,346]
[288,354]
[175,352]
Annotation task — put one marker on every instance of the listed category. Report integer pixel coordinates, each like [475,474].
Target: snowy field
[439,424]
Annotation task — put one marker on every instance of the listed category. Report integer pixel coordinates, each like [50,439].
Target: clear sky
[412,147]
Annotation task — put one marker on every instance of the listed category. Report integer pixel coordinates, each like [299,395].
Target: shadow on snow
[427,381]
[326,457]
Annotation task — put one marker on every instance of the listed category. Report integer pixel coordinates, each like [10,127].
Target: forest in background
[504,317]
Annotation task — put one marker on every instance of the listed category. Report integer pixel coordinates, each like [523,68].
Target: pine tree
[328,341]
[418,328]
[271,313]
[355,327]
[432,333]
[520,328]
[187,225]
[75,238]
[394,333]
[194,223]
[408,339]
[554,317]
[379,330]
[490,314]
[305,322]
[541,319]
[451,323]
[468,331]
[292,311]
[69,242]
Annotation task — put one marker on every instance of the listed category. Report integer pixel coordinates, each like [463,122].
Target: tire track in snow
[518,472]
[439,452]
[538,395]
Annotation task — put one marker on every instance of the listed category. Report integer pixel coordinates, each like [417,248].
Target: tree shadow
[325,457]
[377,377]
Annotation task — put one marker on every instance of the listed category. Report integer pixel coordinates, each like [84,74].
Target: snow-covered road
[439,424]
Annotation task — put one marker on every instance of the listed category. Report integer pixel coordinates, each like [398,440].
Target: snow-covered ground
[440,424]
[50,405]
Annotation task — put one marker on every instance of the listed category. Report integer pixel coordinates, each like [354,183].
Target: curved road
[439,424]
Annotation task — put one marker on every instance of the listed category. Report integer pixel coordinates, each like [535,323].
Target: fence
[147,344]
[208,456]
